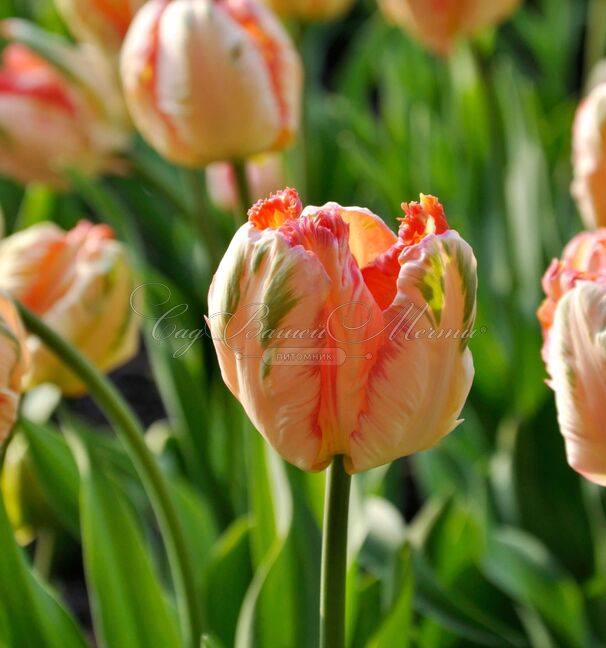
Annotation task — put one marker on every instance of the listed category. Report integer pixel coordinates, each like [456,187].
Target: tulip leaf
[128,604]
[227,579]
[268,612]
[523,568]
[30,615]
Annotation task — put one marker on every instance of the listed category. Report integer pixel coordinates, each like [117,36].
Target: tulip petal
[261,286]
[429,325]
[577,366]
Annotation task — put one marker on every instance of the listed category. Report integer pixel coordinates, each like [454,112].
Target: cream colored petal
[577,366]
[423,375]
[281,398]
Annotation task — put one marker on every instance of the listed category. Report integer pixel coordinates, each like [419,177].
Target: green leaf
[30,615]
[396,630]
[227,579]
[128,604]
[269,612]
[523,568]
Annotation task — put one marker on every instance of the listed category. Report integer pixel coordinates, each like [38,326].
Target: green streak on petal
[431,287]
[258,256]
[279,299]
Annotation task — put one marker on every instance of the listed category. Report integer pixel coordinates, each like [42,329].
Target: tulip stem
[244,195]
[334,556]
[131,434]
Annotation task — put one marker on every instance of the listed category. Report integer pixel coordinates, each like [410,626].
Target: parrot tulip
[439,23]
[573,318]
[211,81]
[80,283]
[339,337]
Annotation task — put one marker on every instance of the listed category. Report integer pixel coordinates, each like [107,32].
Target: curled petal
[577,366]
[423,375]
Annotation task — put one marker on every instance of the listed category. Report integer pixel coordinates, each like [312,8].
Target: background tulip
[13,364]
[589,157]
[310,9]
[573,318]
[210,81]
[104,22]
[80,283]
[438,23]
[265,174]
[377,384]
[57,115]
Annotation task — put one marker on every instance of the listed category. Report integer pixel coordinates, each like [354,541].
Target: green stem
[334,556]
[596,35]
[244,195]
[200,220]
[131,433]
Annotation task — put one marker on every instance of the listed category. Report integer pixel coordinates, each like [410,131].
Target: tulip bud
[339,337]
[80,283]
[210,81]
[573,318]
[53,116]
[13,364]
[439,23]
[265,174]
[309,10]
[589,158]
[103,22]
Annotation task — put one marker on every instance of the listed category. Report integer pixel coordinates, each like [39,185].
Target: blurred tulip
[265,175]
[573,318]
[589,158]
[26,506]
[339,337]
[60,115]
[80,283]
[13,364]
[103,22]
[210,81]
[310,10]
[439,23]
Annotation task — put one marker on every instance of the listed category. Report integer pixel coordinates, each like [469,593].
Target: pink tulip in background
[211,81]
[60,115]
[339,337]
[573,318]
[265,174]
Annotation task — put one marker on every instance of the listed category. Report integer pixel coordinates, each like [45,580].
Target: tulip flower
[103,22]
[439,23]
[309,10]
[573,318]
[13,364]
[265,174]
[339,337]
[54,116]
[211,81]
[80,283]
[589,158]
